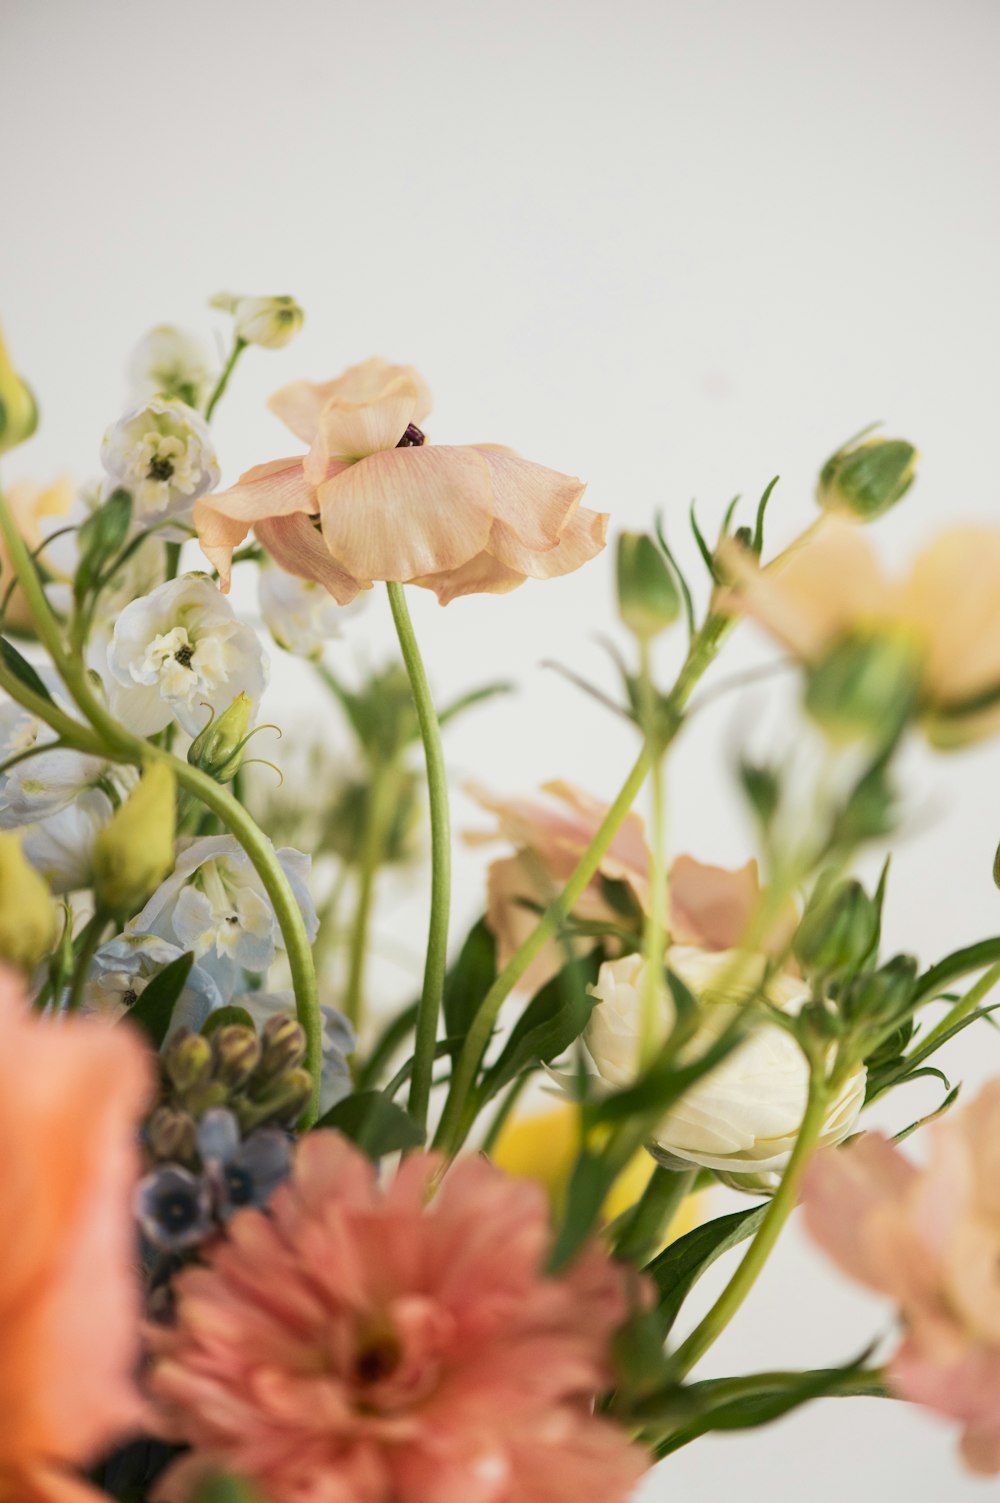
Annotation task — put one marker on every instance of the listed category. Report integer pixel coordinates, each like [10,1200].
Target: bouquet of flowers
[268,1240]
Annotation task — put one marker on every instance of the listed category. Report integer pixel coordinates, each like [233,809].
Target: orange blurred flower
[456,519]
[71,1094]
[29,505]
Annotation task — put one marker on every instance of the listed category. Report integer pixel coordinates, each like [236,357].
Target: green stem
[782,1204]
[90,939]
[377,814]
[654,937]
[437,788]
[962,1008]
[239,346]
[645,1225]
[503,1113]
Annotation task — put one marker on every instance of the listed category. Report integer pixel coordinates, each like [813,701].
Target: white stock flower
[61,848]
[743,1116]
[46,783]
[163,454]
[176,651]
[267,321]
[214,904]
[300,614]
[171,362]
[123,968]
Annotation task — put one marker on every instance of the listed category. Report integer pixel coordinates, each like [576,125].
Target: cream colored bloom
[171,362]
[162,453]
[947,609]
[454,519]
[743,1117]
[271,322]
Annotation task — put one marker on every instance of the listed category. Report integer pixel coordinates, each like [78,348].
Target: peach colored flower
[710,906]
[29,505]
[930,1240]
[457,520]
[358,1345]
[71,1094]
[947,608]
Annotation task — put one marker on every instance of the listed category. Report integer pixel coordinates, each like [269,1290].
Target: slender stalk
[645,1225]
[90,939]
[377,814]
[239,345]
[437,789]
[654,937]
[504,1111]
[783,1203]
[962,1008]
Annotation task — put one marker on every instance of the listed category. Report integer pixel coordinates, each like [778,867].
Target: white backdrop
[670,245]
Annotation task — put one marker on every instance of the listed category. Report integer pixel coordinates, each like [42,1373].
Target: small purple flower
[241,1172]
[174,1208]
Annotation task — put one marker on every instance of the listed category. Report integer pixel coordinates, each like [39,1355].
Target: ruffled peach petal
[218,537]
[482,575]
[275,489]
[300,404]
[582,539]
[627,858]
[844,1189]
[812,592]
[952,601]
[296,546]
[406,513]
[347,432]
[530,501]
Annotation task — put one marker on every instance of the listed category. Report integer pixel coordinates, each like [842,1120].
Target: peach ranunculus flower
[710,906]
[946,610]
[29,505]
[372,500]
[359,1344]
[930,1240]
[71,1095]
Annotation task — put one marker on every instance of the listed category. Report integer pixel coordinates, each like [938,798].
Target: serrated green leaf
[155,1008]
[376,1124]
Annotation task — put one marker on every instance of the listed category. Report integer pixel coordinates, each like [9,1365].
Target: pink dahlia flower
[929,1240]
[359,1345]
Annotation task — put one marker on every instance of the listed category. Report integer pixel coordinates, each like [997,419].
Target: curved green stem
[783,1203]
[377,814]
[239,346]
[437,788]
[90,939]
[654,937]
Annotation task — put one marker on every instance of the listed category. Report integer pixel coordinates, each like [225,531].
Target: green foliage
[154,1010]
[376,1124]
[553,1019]
[679,1267]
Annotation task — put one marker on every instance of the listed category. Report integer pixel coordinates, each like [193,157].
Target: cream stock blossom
[162,454]
[457,520]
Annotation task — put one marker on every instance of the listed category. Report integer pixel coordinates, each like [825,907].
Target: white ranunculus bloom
[214,904]
[179,653]
[163,454]
[742,1117]
[123,968]
[300,614]
[268,321]
[171,362]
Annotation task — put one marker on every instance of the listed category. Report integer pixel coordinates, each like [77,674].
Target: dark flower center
[183,655]
[160,468]
[177,1209]
[239,1185]
[377,1358]
[412,438]
[130,998]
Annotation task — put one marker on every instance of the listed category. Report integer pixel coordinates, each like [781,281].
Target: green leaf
[224,1017]
[392,1036]
[472,698]
[376,1124]
[468,981]
[22,669]
[99,538]
[679,1267]
[553,1019]
[589,1184]
[155,1008]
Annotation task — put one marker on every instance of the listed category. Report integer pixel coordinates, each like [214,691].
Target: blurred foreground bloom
[710,906]
[744,1116]
[360,1344]
[29,505]
[70,1098]
[933,636]
[457,520]
[930,1240]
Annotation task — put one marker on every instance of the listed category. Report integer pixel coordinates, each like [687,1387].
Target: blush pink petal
[407,513]
[348,432]
[530,501]
[711,906]
[581,540]
[482,575]
[300,405]
[848,1193]
[276,489]
[296,546]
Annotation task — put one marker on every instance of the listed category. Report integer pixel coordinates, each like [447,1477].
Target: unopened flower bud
[283,1103]
[171,1136]
[237,1054]
[27,912]
[880,997]
[205,1096]
[648,601]
[218,750]
[866,479]
[18,409]
[187,1060]
[838,931]
[864,688]
[135,850]
[268,321]
[284,1047]
[171,362]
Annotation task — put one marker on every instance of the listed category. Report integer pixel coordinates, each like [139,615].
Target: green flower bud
[27,912]
[865,688]
[18,408]
[267,321]
[866,479]
[187,1060]
[237,1054]
[880,997]
[171,1136]
[283,1103]
[218,750]
[134,851]
[202,1098]
[839,930]
[648,601]
[284,1047]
